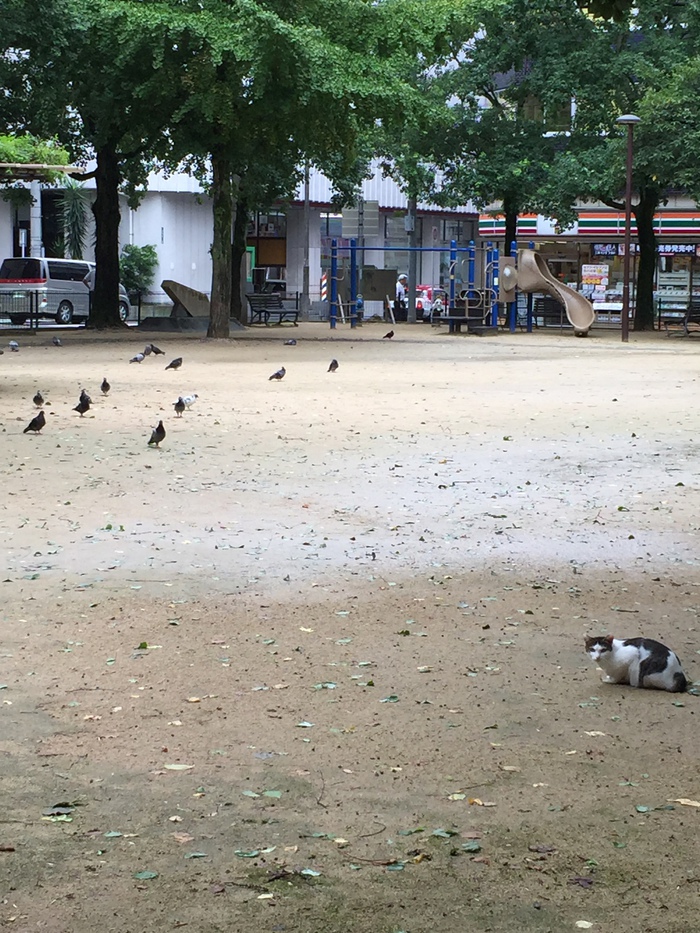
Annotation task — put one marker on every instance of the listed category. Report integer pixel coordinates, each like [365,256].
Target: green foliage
[29,150]
[74,205]
[138,267]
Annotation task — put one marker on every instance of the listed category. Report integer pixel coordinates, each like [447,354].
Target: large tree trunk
[510,210]
[222,204]
[240,228]
[105,297]
[646,269]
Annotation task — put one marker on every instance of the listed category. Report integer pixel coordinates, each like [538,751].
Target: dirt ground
[316,665]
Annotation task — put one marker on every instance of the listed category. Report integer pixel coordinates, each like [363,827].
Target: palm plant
[74,204]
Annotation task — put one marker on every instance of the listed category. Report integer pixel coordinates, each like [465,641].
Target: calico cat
[639,662]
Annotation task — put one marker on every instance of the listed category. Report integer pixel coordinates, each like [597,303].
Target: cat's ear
[608,639]
[589,642]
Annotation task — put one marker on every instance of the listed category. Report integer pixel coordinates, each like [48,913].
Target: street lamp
[629,120]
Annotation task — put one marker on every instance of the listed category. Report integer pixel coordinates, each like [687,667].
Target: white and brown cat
[639,662]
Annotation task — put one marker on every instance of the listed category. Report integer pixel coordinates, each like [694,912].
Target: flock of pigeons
[183,403]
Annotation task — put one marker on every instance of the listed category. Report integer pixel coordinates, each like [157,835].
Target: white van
[59,284]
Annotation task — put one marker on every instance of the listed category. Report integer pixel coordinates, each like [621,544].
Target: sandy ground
[316,665]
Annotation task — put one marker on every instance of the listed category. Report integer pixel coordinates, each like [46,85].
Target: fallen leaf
[182,838]
[595,732]
[686,802]
[177,767]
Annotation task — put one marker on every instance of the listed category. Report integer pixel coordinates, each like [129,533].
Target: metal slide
[534,276]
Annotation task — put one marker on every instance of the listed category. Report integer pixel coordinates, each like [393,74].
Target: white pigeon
[14,346]
[189,400]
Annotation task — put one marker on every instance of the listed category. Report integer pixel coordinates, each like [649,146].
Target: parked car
[60,285]
[431,301]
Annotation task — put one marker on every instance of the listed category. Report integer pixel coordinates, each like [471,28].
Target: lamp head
[628,119]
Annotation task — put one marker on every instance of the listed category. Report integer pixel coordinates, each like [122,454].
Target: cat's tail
[680,683]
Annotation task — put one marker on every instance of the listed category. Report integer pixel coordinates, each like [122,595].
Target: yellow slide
[534,276]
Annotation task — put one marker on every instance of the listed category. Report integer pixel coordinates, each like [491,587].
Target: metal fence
[20,308]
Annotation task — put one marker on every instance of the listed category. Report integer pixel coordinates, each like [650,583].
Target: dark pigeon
[175,364]
[179,406]
[38,399]
[279,375]
[84,397]
[157,435]
[82,406]
[36,424]
[388,336]
[334,365]
[105,387]
[155,350]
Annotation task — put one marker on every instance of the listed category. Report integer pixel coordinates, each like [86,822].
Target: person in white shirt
[401,302]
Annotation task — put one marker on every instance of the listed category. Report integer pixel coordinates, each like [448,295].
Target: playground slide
[534,276]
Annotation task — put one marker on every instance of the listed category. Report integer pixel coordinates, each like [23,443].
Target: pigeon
[155,351]
[139,358]
[57,342]
[290,343]
[175,364]
[84,397]
[36,424]
[82,406]
[279,375]
[189,400]
[334,365]
[14,346]
[38,399]
[179,406]
[157,435]
[147,350]
[388,336]
[105,386]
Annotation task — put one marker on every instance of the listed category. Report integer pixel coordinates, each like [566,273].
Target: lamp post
[629,120]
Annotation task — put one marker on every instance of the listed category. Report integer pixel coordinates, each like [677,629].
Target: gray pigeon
[157,435]
[57,342]
[147,350]
[14,346]
[36,424]
[82,406]
[139,358]
[279,375]
[175,364]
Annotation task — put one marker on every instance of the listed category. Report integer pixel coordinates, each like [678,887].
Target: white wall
[5,230]
[180,226]
[295,251]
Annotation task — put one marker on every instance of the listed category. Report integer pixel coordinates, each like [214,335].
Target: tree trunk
[240,228]
[646,268]
[510,210]
[104,311]
[222,205]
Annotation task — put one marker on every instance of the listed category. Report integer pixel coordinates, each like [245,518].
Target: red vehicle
[431,300]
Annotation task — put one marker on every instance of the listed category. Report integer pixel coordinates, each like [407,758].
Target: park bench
[549,311]
[268,309]
[690,321]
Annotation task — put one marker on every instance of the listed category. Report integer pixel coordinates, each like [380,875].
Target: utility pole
[412,259]
[305,304]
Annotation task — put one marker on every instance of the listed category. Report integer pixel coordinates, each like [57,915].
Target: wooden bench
[550,312]
[265,308]
[690,321]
